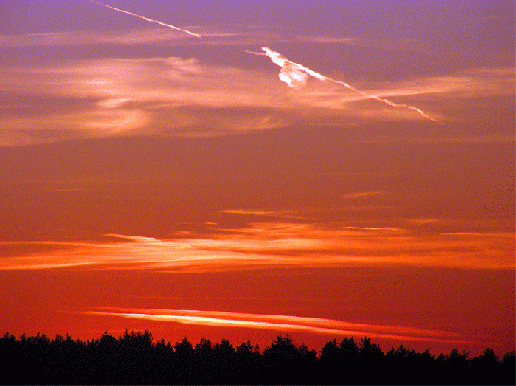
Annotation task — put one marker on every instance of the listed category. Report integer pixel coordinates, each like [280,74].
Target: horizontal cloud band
[282,323]
[272,245]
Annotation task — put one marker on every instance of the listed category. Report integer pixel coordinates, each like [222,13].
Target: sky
[244,169]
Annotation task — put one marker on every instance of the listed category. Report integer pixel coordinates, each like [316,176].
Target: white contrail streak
[292,73]
[295,75]
[149,20]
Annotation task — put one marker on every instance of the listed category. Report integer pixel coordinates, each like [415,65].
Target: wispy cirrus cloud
[276,245]
[402,44]
[468,83]
[265,213]
[187,97]
[281,323]
[230,36]
[108,97]
[227,35]
[360,195]
[82,38]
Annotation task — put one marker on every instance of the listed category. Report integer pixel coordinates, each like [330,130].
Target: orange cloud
[282,323]
[362,195]
[265,213]
[279,245]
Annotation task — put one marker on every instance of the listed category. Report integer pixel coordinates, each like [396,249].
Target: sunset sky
[244,169]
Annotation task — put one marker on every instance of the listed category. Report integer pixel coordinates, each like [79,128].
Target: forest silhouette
[134,358]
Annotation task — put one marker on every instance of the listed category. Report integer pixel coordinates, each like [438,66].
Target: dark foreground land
[134,359]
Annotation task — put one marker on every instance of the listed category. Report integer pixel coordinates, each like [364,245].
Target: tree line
[134,358]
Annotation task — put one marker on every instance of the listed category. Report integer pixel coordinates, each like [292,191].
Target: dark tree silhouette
[248,362]
[134,358]
[288,363]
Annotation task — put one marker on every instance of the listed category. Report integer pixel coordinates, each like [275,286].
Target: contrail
[149,20]
[292,73]
[296,75]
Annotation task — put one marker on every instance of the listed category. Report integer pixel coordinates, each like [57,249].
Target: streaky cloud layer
[274,245]
[97,98]
[281,323]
